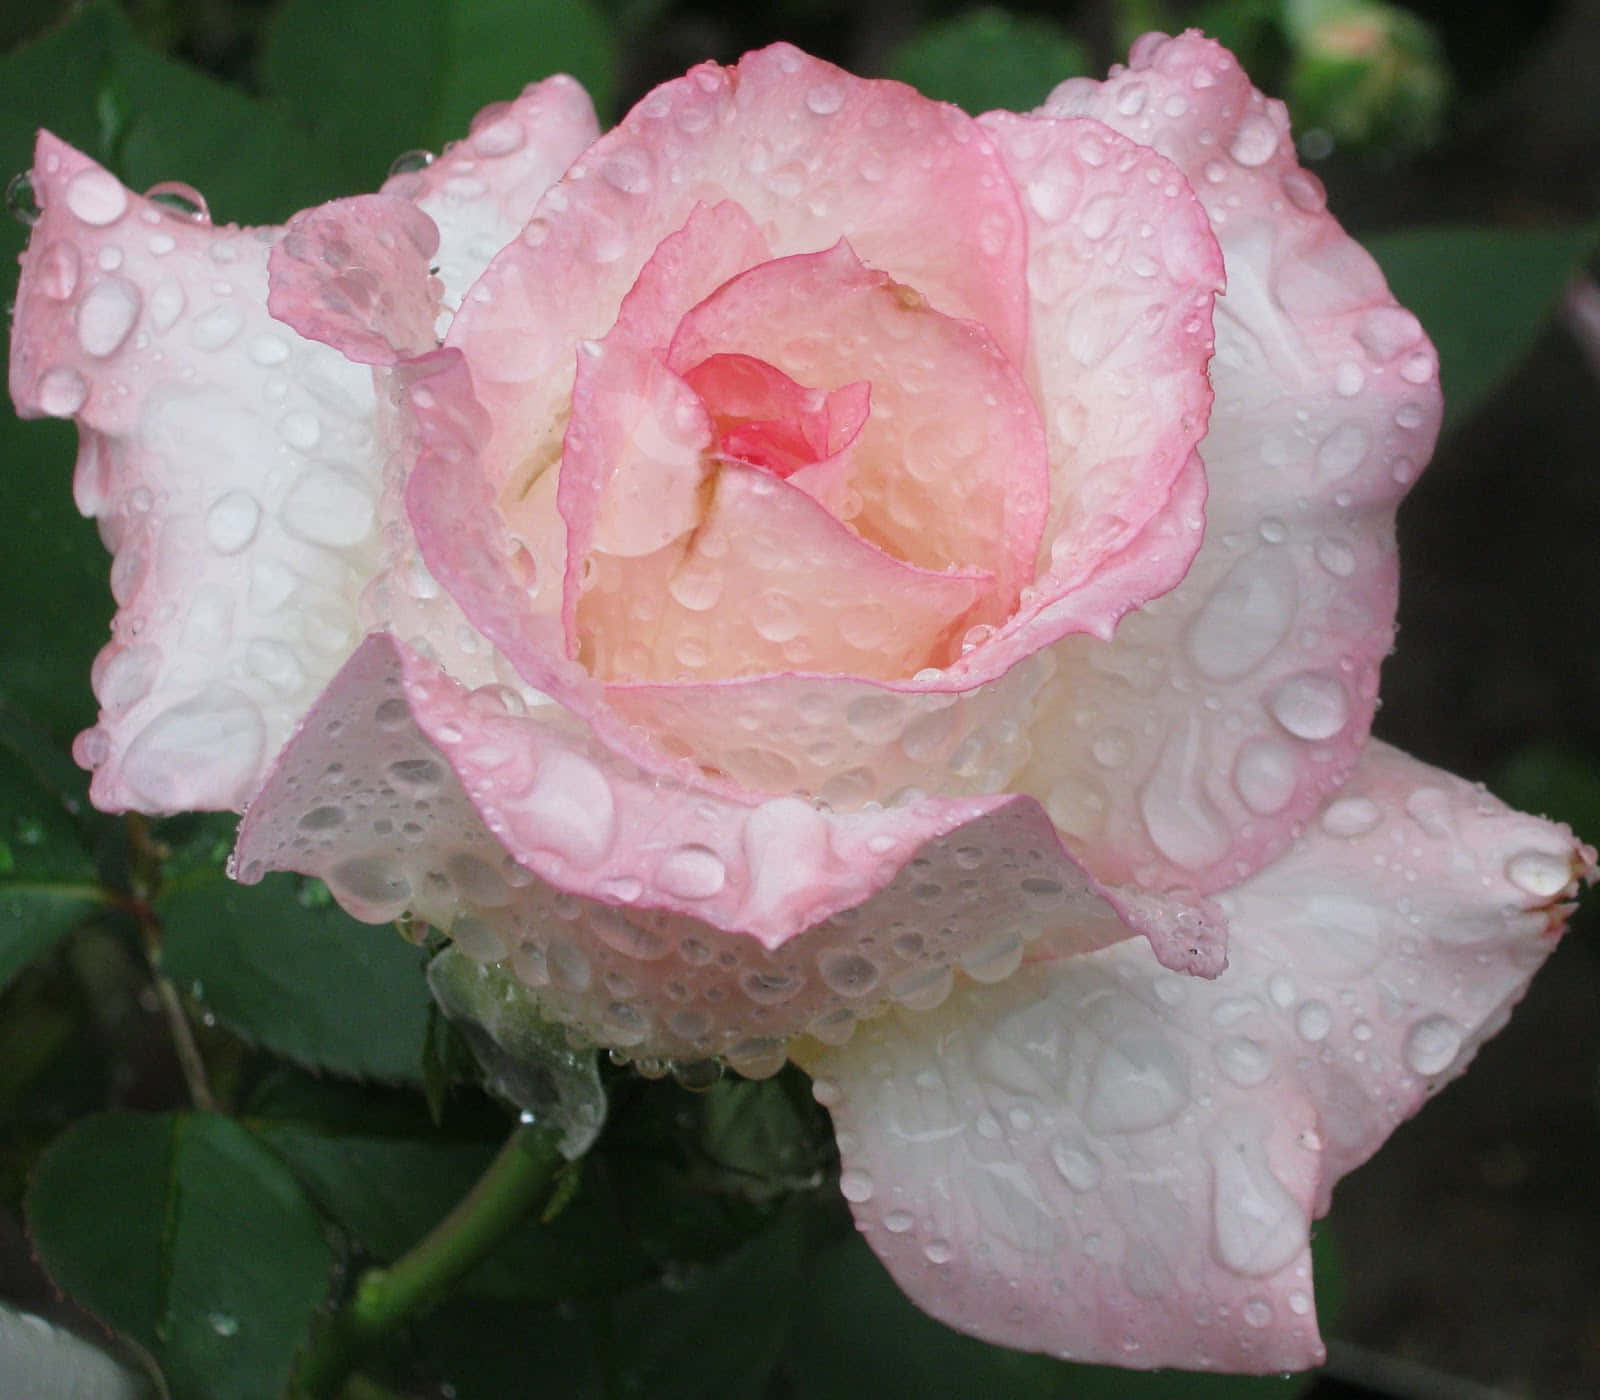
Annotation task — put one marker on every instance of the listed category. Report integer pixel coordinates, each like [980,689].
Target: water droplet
[849,974]
[22,203]
[1539,873]
[1246,1062]
[1139,1082]
[1337,557]
[58,269]
[897,1222]
[1265,776]
[1432,1044]
[1246,617]
[1257,1227]
[924,989]
[1310,706]
[223,1324]
[1313,1021]
[1079,1167]
[1255,141]
[376,882]
[1342,451]
[855,1186]
[232,521]
[62,392]
[692,872]
[213,329]
[497,136]
[409,162]
[825,99]
[1258,1312]
[938,1251]
[757,1057]
[183,200]
[106,314]
[994,960]
[96,197]
[1351,816]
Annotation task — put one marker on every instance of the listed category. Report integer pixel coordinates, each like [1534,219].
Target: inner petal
[763,417]
[949,468]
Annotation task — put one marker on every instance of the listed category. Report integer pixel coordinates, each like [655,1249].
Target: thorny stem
[145,856]
[386,1298]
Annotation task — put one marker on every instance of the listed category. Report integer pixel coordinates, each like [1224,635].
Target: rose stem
[386,1298]
[145,855]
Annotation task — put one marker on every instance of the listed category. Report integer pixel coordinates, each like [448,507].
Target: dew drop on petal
[1432,1044]
[96,197]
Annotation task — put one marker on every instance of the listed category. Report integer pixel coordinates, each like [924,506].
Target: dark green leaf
[279,964]
[1559,783]
[361,76]
[425,68]
[495,48]
[183,1232]
[1483,294]
[388,1192]
[988,58]
[705,1330]
[47,877]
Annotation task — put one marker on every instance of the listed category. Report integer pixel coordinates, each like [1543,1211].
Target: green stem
[386,1298]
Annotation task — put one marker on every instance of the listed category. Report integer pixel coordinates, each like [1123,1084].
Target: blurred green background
[704,1250]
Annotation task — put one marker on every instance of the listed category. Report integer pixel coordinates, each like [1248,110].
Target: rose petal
[949,468]
[354,275]
[1216,721]
[481,191]
[233,469]
[645,914]
[809,152]
[1101,1161]
[766,583]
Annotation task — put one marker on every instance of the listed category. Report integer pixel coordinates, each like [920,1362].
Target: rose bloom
[812,574]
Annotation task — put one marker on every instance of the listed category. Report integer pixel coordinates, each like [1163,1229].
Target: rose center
[765,419]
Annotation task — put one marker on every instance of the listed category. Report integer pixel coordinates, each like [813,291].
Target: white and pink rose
[811,574]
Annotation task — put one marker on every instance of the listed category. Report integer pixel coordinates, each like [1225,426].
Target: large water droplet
[1432,1044]
[1255,141]
[1539,873]
[1079,1167]
[22,203]
[62,392]
[1139,1082]
[692,872]
[183,200]
[96,197]
[232,521]
[1245,617]
[1310,706]
[1257,1227]
[409,162]
[106,315]
[1313,1020]
[849,974]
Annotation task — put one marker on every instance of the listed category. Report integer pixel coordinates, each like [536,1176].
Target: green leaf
[1483,294]
[986,58]
[370,79]
[706,1330]
[48,883]
[495,48]
[858,1334]
[1560,783]
[280,965]
[388,1192]
[183,1232]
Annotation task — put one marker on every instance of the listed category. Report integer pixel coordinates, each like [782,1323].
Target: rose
[799,621]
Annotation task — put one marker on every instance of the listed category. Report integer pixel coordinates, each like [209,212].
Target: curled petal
[354,275]
[1105,1162]
[1217,719]
[645,915]
[232,466]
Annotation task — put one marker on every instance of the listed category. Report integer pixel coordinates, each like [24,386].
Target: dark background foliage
[703,1250]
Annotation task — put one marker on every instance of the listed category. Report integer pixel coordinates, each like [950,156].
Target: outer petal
[810,152]
[233,469]
[481,191]
[1103,1161]
[646,915]
[1219,717]
[354,275]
